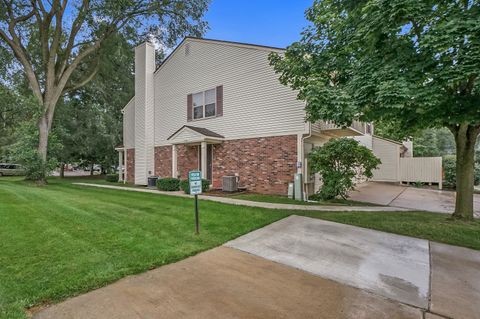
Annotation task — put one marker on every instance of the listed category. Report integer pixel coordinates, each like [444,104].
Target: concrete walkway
[395,195]
[233,201]
[297,267]
[393,266]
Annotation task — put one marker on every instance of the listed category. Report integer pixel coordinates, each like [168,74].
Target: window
[204,104]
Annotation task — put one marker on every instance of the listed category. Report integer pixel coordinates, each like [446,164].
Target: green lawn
[61,240]
[285,200]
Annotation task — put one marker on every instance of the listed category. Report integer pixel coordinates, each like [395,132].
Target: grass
[278,199]
[61,240]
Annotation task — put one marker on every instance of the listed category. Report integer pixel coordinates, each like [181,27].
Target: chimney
[144,112]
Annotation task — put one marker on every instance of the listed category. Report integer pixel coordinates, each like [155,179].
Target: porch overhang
[195,135]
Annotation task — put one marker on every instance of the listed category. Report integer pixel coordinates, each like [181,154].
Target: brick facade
[187,159]
[163,161]
[130,165]
[265,165]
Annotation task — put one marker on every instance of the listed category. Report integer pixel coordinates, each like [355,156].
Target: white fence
[420,169]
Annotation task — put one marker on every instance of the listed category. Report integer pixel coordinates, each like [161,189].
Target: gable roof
[214,41]
[203,131]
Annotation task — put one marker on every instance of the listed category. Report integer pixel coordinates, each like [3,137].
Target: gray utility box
[298,187]
[229,184]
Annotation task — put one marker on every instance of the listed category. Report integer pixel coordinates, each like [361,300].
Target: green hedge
[112,178]
[169,184]
[449,168]
[185,186]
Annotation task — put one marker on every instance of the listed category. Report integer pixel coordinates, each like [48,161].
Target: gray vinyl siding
[254,101]
[129,125]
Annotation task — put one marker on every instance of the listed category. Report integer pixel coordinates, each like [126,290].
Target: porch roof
[191,134]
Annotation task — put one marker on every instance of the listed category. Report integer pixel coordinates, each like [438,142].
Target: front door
[209,160]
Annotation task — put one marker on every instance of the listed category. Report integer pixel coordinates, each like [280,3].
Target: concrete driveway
[395,195]
[298,267]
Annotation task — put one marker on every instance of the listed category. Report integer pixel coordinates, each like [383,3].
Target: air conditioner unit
[230,184]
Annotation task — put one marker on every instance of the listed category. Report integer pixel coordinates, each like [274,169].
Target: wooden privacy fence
[420,169]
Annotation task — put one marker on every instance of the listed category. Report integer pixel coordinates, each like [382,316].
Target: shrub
[24,151]
[111,178]
[185,186]
[339,162]
[450,172]
[168,184]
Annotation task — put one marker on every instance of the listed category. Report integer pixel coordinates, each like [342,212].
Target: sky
[266,22]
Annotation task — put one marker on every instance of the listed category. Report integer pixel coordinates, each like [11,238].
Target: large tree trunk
[91,169]
[465,138]
[43,130]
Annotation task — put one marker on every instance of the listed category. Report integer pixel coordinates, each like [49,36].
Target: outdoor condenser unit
[230,184]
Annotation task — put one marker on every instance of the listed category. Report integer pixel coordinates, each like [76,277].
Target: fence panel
[421,169]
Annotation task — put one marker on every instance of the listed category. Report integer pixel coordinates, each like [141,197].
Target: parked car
[96,168]
[11,169]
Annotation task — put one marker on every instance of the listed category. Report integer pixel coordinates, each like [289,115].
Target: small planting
[113,178]
[340,162]
[185,186]
[169,184]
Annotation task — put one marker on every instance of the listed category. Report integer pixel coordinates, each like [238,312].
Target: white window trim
[203,105]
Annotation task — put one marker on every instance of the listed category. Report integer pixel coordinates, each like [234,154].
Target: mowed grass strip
[61,240]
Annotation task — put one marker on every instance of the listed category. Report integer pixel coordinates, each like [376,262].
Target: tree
[339,162]
[412,62]
[59,44]
[89,121]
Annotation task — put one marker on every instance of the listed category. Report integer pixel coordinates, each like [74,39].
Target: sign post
[195,181]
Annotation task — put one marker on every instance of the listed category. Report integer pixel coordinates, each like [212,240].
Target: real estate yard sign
[195,182]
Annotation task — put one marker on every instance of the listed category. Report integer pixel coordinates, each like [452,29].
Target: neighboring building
[398,163]
[218,106]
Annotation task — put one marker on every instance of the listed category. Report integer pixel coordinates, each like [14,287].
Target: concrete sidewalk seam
[403,190]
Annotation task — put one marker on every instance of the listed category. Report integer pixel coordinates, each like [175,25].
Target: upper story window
[204,104]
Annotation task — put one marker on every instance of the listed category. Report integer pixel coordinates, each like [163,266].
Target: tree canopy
[59,45]
[415,63]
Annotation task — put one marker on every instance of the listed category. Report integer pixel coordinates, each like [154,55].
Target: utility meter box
[290,190]
[298,187]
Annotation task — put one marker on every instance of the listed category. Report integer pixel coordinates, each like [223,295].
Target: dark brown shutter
[189,107]
[220,100]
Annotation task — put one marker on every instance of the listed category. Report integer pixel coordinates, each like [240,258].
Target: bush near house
[450,173]
[168,184]
[111,178]
[185,186]
[339,162]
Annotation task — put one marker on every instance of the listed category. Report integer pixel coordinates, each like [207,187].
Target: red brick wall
[131,165]
[163,161]
[187,159]
[265,165]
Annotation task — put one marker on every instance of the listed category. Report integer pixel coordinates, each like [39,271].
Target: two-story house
[218,106]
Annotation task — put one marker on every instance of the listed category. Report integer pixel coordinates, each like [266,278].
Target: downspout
[305,193]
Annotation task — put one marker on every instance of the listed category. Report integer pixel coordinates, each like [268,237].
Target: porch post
[174,161]
[203,154]
[120,165]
